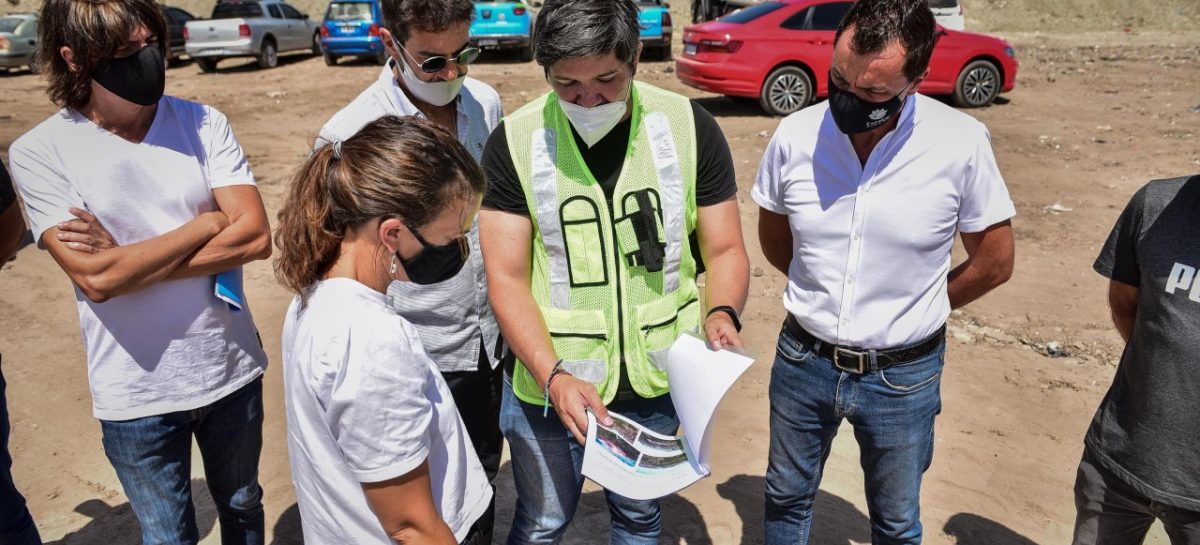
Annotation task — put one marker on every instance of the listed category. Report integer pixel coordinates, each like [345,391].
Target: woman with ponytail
[378,451]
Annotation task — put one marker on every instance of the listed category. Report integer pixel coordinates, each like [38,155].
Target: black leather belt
[859,361]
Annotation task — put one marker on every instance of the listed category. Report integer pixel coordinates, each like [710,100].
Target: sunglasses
[433,65]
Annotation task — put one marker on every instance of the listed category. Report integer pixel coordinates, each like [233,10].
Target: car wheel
[787,90]
[269,57]
[330,60]
[207,66]
[317,50]
[978,85]
[526,53]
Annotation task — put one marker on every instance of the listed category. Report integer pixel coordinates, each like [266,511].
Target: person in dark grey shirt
[1141,459]
[16,526]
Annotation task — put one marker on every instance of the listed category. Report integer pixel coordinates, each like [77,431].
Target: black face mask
[140,78]
[435,264]
[854,115]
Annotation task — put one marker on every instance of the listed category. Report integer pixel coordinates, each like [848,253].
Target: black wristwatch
[733,315]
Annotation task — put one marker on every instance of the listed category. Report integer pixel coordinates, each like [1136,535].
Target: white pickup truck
[250,28]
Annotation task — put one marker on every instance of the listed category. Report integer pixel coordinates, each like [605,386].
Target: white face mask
[593,123]
[436,93]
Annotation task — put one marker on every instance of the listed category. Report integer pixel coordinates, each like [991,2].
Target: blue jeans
[16,526]
[547,464]
[892,412]
[153,459]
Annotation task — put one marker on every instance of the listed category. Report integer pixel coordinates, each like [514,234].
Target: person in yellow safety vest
[605,198]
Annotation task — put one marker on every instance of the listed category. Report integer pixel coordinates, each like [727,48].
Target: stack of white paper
[637,463]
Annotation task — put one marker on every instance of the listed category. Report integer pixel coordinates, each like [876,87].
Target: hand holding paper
[637,463]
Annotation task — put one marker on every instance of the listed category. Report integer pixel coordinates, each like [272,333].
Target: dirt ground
[1095,114]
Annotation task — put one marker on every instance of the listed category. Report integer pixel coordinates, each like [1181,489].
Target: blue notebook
[227,287]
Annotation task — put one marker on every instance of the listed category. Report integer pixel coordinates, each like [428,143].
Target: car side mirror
[304,15]
[666,4]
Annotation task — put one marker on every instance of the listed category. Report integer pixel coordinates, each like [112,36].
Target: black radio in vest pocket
[646,220]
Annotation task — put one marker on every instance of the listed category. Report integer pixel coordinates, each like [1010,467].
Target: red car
[779,52]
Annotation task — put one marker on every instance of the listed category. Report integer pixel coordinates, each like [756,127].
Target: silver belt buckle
[860,357]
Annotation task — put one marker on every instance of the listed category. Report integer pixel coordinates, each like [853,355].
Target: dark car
[176,19]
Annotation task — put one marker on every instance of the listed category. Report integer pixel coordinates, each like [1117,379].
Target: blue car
[654,17]
[351,29]
[503,25]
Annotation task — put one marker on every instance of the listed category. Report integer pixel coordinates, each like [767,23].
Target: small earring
[392,270]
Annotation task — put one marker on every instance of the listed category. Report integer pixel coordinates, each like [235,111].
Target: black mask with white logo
[435,264]
[140,78]
[854,115]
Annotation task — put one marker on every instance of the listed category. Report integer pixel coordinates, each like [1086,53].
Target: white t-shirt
[871,243]
[172,346]
[365,404]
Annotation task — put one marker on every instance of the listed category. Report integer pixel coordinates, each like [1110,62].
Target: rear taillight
[374,30]
[719,46]
[185,34]
[243,31]
[3,43]
[519,10]
[324,31]
[666,24]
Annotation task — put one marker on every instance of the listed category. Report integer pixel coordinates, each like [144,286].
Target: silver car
[18,40]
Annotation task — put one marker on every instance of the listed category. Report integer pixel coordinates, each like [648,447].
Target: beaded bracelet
[558,370]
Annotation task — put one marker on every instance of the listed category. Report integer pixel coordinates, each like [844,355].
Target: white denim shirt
[452,315]
[871,243]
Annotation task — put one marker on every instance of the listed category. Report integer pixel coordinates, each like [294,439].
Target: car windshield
[231,10]
[349,11]
[943,4]
[745,15]
[10,24]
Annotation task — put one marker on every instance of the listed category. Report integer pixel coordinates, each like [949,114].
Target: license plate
[216,51]
[488,42]
[349,28]
[689,49]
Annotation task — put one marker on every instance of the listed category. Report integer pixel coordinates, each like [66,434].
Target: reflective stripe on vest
[545,192]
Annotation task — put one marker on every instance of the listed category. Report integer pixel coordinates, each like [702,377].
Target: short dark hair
[94,30]
[568,29]
[402,17]
[878,23]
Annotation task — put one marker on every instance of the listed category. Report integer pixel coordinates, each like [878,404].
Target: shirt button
[850,279]
[857,236]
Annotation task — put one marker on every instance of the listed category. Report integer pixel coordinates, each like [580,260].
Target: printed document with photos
[639,464]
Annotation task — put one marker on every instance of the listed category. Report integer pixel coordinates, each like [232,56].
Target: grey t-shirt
[1147,429]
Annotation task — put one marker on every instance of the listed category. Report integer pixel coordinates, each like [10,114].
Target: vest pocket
[583,242]
[580,338]
[663,320]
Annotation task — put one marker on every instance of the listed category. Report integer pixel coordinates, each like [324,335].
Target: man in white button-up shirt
[429,53]
[861,198]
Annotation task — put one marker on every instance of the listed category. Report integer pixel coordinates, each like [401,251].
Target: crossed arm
[211,243]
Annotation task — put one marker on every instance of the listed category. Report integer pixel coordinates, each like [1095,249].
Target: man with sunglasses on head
[861,199]
[606,198]
[426,77]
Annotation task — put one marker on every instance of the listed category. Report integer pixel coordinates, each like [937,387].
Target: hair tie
[337,149]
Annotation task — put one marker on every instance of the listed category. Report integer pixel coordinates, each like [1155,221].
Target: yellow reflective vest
[614,283]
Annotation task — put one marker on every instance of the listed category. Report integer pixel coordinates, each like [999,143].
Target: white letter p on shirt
[1182,277]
